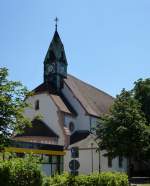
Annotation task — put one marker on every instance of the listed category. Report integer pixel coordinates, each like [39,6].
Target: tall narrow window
[37,105]
[109,161]
[120,161]
[71,126]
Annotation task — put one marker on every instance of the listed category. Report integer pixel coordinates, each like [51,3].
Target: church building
[63,111]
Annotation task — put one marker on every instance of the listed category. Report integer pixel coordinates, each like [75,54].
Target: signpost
[74,164]
[74,152]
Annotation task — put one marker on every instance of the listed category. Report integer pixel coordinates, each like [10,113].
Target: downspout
[92,157]
[90,123]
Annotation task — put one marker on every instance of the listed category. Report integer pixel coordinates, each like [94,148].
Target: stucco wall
[115,164]
[48,112]
[85,160]
[82,121]
[90,159]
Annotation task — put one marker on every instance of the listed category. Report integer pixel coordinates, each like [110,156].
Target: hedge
[26,172]
[20,172]
[103,179]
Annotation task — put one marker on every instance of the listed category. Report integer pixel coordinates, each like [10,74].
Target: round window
[71,126]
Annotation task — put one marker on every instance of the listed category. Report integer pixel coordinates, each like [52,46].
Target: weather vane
[56,20]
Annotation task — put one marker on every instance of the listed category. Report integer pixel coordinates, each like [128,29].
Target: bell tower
[55,63]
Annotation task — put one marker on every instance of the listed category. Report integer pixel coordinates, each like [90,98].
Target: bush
[20,172]
[4,174]
[103,179]
[25,172]
[57,180]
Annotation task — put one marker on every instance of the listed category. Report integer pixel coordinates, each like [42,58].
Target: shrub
[103,179]
[58,180]
[20,172]
[4,173]
[25,172]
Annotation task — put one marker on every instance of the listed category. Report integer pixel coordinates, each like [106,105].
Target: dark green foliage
[20,172]
[25,172]
[103,179]
[12,105]
[142,94]
[4,174]
[123,131]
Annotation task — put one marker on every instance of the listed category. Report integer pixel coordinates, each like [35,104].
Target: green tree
[142,94]
[124,131]
[12,105]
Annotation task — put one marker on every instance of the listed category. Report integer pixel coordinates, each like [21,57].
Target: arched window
[71,126]
[37,105]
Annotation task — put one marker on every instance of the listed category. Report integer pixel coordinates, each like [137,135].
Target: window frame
[37,104]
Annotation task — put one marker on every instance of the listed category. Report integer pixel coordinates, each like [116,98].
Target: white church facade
[63,112]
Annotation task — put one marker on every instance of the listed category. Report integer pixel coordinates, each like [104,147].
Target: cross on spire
[56,21]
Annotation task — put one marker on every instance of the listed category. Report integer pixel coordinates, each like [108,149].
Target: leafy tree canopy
[12,105]
[124,131]
[142,94]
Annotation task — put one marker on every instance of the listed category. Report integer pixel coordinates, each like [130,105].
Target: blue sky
[107,43]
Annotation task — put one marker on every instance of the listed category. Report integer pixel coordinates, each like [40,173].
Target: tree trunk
[129,171]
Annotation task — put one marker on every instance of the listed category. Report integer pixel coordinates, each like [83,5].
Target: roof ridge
[99,90]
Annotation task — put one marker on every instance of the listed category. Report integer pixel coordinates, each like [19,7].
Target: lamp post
[99,155]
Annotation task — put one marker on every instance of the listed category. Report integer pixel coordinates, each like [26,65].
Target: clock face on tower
[50,68]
